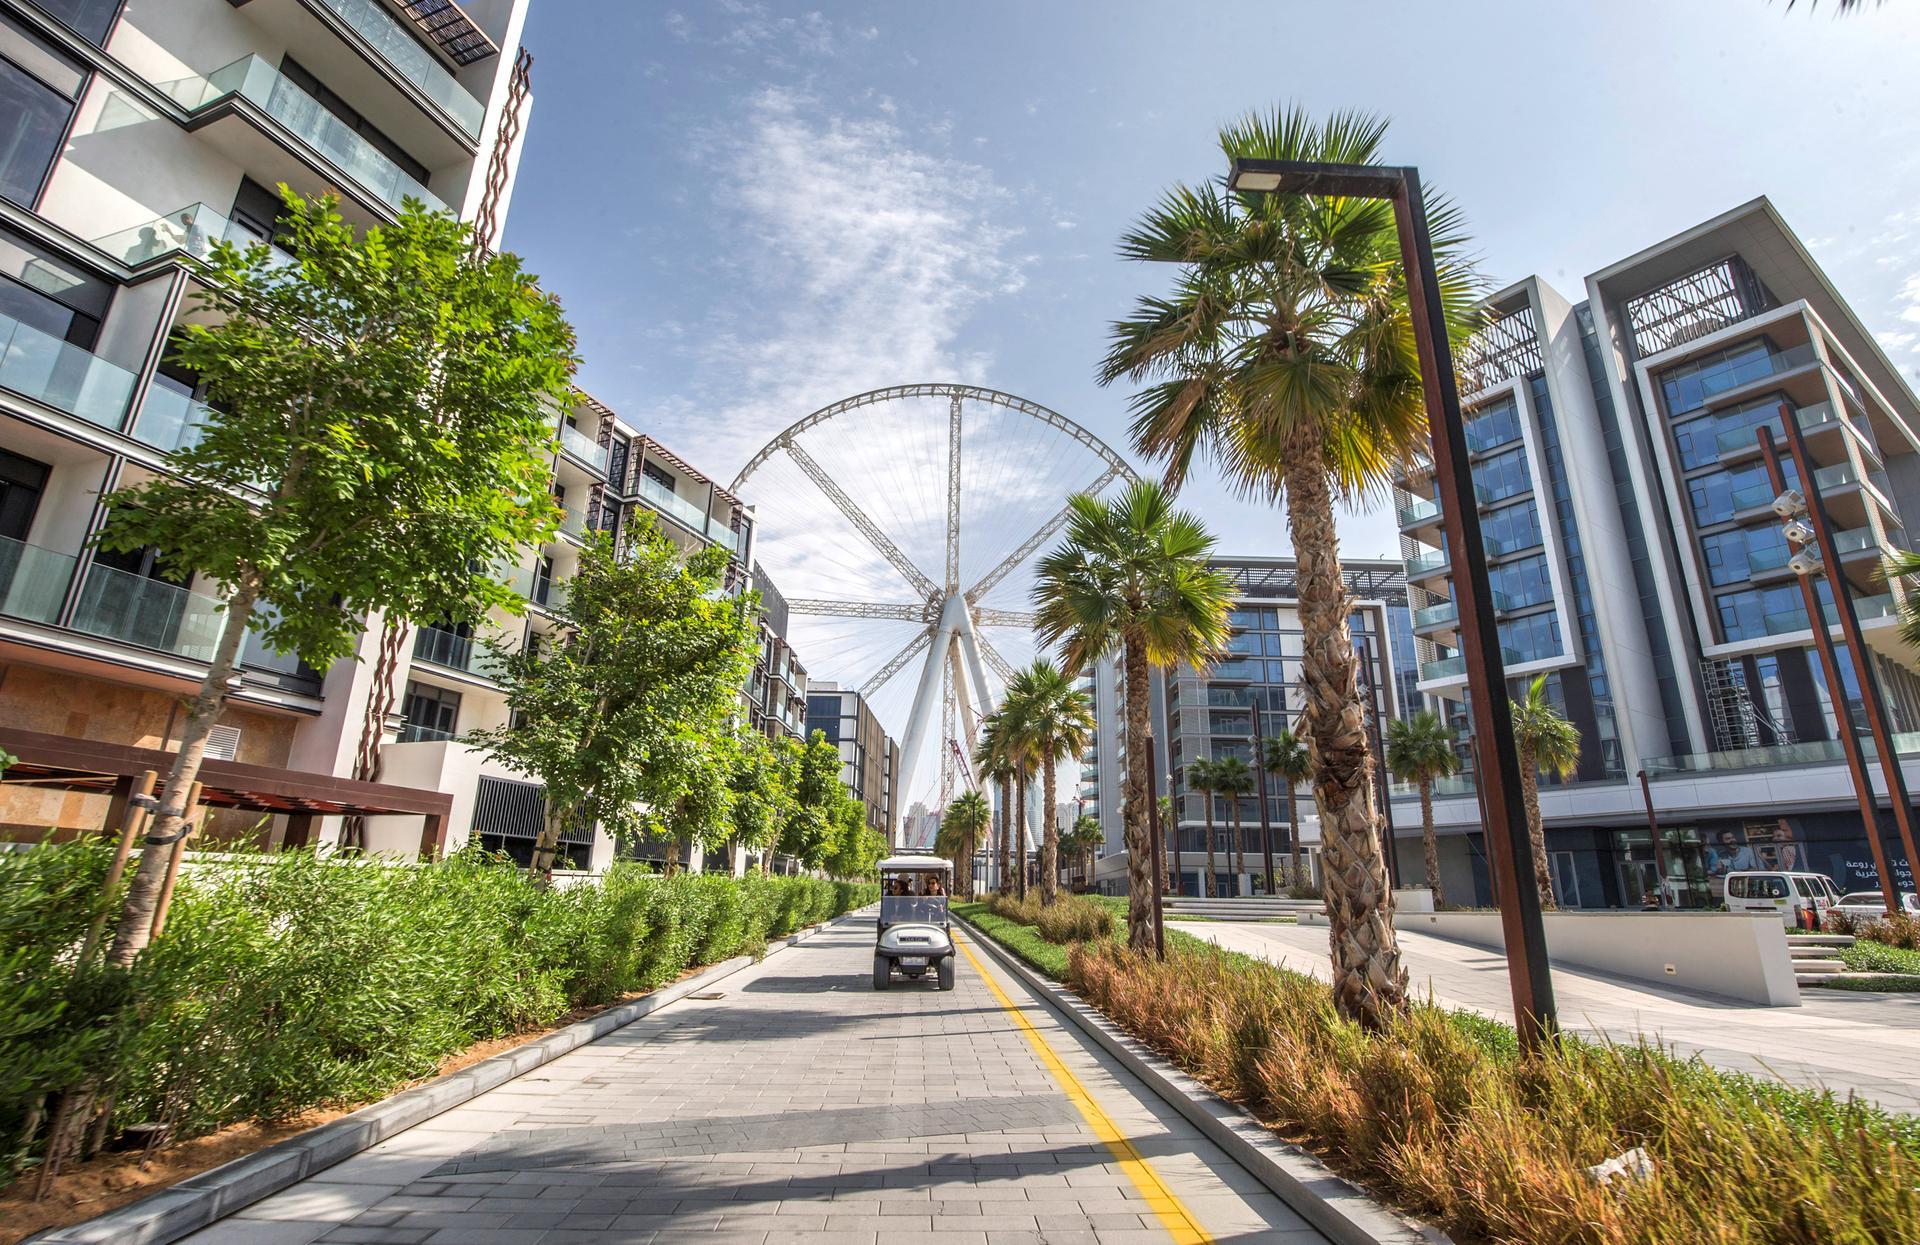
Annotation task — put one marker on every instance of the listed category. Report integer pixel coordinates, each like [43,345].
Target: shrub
[1895,929]
[1441,1115]
[289,981]
[1070,919]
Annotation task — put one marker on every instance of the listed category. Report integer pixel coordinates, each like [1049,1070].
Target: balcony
[1455,667]
[419,733]
[450,650]
[33,581]
[54,373]
[1867,609]
[1419,513]
[572,522]
[684,512]
[1426,565]
[191,231]
[149,613]
[403,53]
[254,80]
[584,450]
[1444,614]
[170,420]
[1499,548]
[1744,442]
[1484,435]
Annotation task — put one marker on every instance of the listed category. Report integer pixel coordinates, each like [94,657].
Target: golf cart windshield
[912,895]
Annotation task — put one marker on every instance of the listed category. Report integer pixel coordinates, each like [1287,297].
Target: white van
[1786,894]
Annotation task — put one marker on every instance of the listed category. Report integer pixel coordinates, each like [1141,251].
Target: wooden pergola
[66,763]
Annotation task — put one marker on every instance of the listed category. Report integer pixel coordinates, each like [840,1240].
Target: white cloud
[1908,299]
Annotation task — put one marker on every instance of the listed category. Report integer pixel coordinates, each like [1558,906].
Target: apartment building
[1637,563]
[1209,714]
[869,758]
[776,695]
[136,134]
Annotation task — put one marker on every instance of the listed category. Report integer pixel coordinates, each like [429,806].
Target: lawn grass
[1441,1115]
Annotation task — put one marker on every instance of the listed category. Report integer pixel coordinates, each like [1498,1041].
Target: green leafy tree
[763,795]
[1548,741]
[809,833]
[624,714]
[1233,778]
[1132,576]
[966,818]
[994,760]
[385,432]
[1054,723]
[1420,750]
[855,849]
[1285,353]
[1083,841]
[1288,759]
[1200,778]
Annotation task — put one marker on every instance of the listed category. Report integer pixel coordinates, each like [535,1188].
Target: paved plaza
[1863,1043]
[799,1105]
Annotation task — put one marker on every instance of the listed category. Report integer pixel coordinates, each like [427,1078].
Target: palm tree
[1132,575]
[1200,778]
[1546,740]
[1288,759]
[1233,778]
[1054,722]
[1085,837]
[995,763]
[1285,353]
[1420,749]
[960,828]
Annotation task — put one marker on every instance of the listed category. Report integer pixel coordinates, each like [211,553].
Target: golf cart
[915,936]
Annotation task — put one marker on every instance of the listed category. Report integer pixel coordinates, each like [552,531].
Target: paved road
[799,1106]
[1866,1044]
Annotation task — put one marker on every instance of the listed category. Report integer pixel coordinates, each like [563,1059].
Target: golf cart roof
[916,864]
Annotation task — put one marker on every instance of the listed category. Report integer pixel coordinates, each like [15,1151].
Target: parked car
[1870,904]
[1785,894]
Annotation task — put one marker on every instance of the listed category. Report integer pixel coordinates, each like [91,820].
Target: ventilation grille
[224,743]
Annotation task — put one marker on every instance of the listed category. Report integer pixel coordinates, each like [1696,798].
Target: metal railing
[404,53]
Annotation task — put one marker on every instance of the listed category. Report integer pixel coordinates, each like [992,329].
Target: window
[1510,528]
[1760,612]
[1522,583]
[1764,886]
[37,91]
[1719,495]
[430,713]
[22,480]
[1495,426]
[1698,440]
[91,18]
[1688,386]
[258,212]
[45,292]
[1533,637]
[1243,644]
[658,474]
[1502,476]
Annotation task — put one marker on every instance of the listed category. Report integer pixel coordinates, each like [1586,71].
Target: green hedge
[286,982]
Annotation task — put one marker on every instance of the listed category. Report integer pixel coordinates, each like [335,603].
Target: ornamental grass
[1440,1114]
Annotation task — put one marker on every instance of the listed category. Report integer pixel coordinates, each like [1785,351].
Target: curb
[173,1212]
[1339,1210]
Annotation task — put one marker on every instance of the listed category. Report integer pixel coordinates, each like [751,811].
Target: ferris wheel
[854,500]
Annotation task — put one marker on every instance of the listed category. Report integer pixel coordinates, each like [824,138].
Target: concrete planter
[1409,899]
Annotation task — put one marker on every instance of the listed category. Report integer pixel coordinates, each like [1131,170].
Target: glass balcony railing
[420,733]
[671,504]
[150,613]
[1499,547]
[1483,435]
[1445,668]
[572,522]
[1855,540]
[1752,496]
[190,231]
[1760,367]
[583,448]
[1426,563]
[413,62]
[1766,561]
[33,581]
[1816,752]
[40,366]
[170,420]
[452,651]
[1437,615]
[260,83]
[1736,440]
[1452,786]
[1840,475]
[1422,511]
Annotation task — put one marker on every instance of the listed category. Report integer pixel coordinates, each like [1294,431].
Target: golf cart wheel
[946,972]
[882,970]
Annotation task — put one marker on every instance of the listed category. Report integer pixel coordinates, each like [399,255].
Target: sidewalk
[1851,1043]
[799,1106]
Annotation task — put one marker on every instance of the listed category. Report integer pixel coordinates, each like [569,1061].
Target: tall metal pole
[1382,792]
[1659,849]
[1510,845]
[1836,686]
[1154,845]
[1266,823]
[1166,697]
[1870,696]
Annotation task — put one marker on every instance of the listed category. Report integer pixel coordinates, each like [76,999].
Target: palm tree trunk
[1020,833]
[1369,983]
[1212,884]
[1139,866]
[169,821]
[1429,845]
[1239,847]
[1006,821]
[1293,833]
[1050,839]
[1536,833]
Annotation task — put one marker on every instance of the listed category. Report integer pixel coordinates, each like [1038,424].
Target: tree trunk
[1213,887]
[169,820]
[1139,850]
[1020,833]
[547,846]
[1536,834]
[1429,845]
[1050,838]
[1006,834]
[1239,848]
[1293,834]
[1369,983]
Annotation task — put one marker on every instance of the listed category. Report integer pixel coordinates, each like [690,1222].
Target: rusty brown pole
[1156,846]
[1659,849]
[1870,698]
[1510,846]
[1830,667]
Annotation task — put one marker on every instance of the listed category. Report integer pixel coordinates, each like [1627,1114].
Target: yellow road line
[1173,1214]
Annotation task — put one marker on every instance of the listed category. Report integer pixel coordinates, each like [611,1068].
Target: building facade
[869,758]
[1210,714]
[1654,593]
[776,695]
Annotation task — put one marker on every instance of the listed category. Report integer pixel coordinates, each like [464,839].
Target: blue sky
[753,209]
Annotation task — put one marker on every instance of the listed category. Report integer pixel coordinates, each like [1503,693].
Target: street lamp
[1520,915]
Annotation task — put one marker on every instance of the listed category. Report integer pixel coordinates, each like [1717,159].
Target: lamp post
[1260,776]
[1520,916]
[1659,849]
[1805,525]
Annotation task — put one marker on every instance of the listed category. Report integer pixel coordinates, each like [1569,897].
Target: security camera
[1798,531]
[1806,562]
[1789,504]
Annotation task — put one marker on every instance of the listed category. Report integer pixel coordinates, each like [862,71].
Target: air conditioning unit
[224,743]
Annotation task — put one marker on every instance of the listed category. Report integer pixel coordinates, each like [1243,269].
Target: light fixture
[1249,182]
[1790,504]
[1798,531]
[1806,562]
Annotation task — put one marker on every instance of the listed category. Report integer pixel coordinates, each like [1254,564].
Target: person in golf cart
[915,936]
